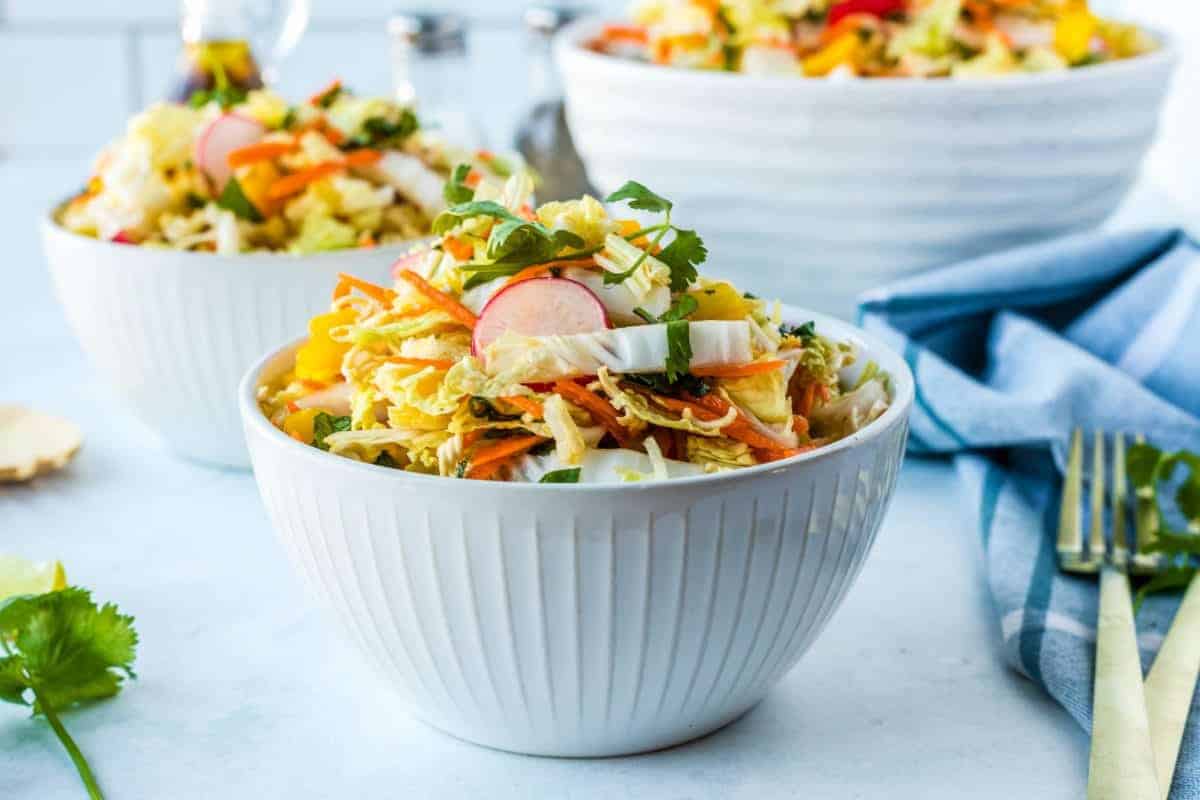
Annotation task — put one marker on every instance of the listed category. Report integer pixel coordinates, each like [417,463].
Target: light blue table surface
[243,693]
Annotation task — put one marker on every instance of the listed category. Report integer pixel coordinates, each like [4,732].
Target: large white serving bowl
[173,332]
[816,189]
[586,620]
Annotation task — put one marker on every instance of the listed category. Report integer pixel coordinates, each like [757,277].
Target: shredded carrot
[499,451]
[624,33]
[313,386]
[740,429]
[292,407]
[439,298]
[537,270]
[362,157]
[331,87]
[436,363]
[766,454]
[526,404]
[291,184]
[471,437]
[367,240]
[334,136]
[799,425]
[472,180]
[485,155]
[259,151]
[526,213]
[738,370]
[597,406]
[487,472]
[807,399]
[458,248]
[347,282]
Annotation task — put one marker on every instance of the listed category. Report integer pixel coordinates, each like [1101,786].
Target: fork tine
[1120,503]
[1145,529]
[1070,526]
[1096,544]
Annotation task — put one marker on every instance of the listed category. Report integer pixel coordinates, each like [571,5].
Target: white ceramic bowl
[815,190]
[173,332]
[582,620]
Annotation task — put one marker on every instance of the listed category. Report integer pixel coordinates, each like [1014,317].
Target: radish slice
[539,307]
[223,135]
[408,262]
[334,399]
[123,237]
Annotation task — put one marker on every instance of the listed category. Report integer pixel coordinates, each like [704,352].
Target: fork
[1122,764]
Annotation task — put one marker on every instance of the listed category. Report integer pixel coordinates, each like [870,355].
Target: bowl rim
[569,44]
[52,227]
[903,393]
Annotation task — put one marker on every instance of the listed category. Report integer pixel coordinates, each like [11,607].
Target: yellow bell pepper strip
[1074,30]
[841,50]
[720,301]
[320,358]
[299,424]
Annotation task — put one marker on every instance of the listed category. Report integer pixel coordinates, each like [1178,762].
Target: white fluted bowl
[581,620]
[815,190]
[173,332]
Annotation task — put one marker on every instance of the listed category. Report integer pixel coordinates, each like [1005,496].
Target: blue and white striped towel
[1010,352]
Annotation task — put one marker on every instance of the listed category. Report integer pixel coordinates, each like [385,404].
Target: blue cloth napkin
[1013,350]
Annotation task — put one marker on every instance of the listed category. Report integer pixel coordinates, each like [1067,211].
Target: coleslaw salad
[235,172]
[564,345]
[961,39]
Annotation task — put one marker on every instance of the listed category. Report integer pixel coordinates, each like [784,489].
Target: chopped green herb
[681,256]
[325,424]
[806,331]
[483,408]
[195,201]
[561,476]
[455,191]
[225,96]
[679,349]
[658,383]
[384,459]
[62,650]
[234,199]
[381,132]
[327,97]
[289,118]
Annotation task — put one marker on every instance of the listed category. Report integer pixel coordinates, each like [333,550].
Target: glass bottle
[221,39]
[430,73]
[543,137]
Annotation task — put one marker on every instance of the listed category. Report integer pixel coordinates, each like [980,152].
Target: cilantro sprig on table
[59,650]
[684,253]
[1171,482]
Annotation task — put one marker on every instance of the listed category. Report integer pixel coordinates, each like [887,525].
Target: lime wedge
[18,576]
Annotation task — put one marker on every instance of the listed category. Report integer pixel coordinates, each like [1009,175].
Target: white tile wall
[59,92]
[129,48]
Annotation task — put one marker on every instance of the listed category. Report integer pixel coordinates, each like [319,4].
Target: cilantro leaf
[325,424]
[682,256]
[455,215]
[561,476]
[806,331]
[64,650]
[640,197]
[226,96]
[381,131]
[679,349]
[684,306]
[455,191]
[658,383]
[234,199]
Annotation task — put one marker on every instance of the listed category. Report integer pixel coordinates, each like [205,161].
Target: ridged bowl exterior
[173,332]
[817,190]
[580,620]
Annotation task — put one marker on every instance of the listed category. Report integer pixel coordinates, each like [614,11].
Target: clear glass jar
[430,73]
[543,137]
